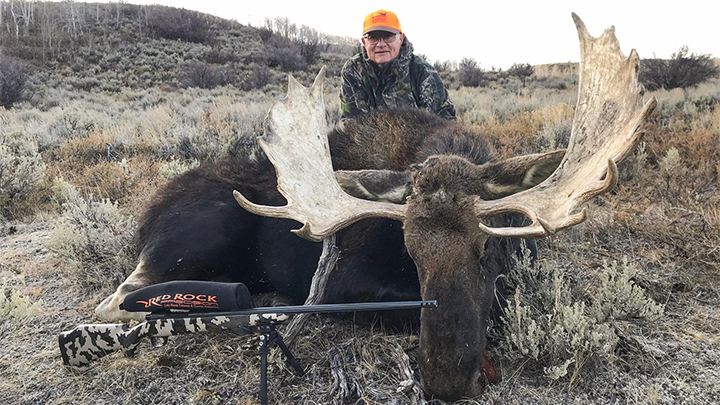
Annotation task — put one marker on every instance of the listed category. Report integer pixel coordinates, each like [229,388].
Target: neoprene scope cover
[189,296]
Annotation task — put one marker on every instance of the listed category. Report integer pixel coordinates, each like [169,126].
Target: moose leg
[109,309]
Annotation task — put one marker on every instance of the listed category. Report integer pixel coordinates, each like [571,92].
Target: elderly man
[388,75]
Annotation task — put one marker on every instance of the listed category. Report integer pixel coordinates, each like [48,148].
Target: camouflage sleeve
[354,99]
[430,91]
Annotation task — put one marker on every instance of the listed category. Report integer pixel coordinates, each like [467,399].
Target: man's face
[382,46]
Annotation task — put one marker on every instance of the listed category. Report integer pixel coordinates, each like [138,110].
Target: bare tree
[312,44]
[283,26]
[15,20]
[26,13]
[47,30]
[445,66]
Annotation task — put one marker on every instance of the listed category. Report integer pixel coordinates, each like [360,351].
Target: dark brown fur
[398,139]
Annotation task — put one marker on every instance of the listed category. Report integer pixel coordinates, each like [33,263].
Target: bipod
[269,337]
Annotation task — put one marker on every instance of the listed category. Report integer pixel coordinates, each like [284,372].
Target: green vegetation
[15,308]
[93,237]
[21,168]
[562,329]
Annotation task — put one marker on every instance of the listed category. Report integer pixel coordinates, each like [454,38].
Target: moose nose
[488,369]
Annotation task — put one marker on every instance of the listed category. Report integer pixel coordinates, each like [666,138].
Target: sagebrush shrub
[94,237]
[21,168]
[14,308]
[257,77]
[205,76]
[79,152]
[618,297]
[76,122]
[561,329]
[173,23]
[174,168]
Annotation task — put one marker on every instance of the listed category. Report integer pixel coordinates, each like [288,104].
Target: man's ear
[520,173]
[375,185]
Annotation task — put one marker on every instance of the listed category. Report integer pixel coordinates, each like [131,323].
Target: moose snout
[460,385]
[465,376]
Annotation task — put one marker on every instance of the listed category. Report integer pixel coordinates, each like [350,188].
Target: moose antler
[606,128]
[295,141]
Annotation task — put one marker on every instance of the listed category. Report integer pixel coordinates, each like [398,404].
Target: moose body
[194,229]
[420,207]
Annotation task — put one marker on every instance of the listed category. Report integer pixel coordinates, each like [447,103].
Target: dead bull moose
[430,182]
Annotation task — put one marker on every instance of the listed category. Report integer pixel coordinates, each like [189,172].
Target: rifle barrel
[303,309]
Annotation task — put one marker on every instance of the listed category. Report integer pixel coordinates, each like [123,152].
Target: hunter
[388,75]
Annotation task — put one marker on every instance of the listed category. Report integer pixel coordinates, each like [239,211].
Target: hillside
[109,47]
[622,309]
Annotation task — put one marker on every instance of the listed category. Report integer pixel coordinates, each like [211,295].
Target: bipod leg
[264,351]
[277,339]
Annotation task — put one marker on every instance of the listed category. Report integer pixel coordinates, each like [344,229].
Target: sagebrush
[21,168]
[94,237]
[561,329]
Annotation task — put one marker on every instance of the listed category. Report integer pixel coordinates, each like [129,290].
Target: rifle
[89,342]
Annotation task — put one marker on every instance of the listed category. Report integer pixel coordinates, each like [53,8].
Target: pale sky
[497,33]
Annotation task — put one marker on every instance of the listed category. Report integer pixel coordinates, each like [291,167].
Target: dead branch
[409,384]
[329,256]
[345,384]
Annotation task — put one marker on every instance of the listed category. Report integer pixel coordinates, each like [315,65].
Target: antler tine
[295,141]
[606,128]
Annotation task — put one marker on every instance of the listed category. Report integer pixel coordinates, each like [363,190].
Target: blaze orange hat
[381,20]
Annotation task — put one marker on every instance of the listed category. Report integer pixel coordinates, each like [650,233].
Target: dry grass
[664,219]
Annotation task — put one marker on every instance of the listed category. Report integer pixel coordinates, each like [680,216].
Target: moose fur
[194,229]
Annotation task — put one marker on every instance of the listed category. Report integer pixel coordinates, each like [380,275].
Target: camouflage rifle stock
[86,343]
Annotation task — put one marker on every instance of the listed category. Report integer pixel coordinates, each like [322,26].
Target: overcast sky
[498,33]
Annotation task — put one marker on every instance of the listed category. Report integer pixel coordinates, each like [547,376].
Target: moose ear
[376,185]
[520,173]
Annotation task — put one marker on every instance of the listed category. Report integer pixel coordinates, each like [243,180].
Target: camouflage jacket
[406,81]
